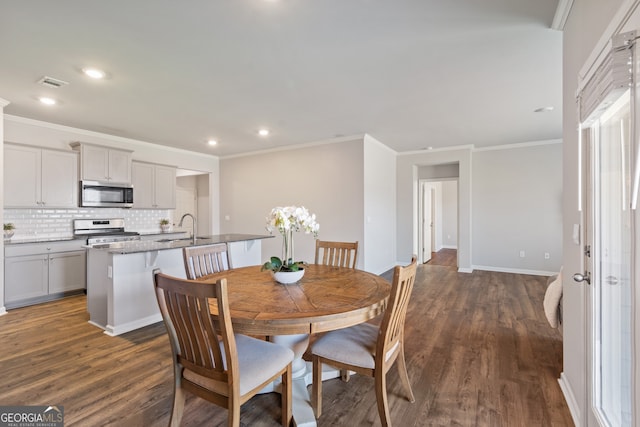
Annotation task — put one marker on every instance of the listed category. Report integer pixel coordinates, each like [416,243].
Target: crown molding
[562,13]
[84,132]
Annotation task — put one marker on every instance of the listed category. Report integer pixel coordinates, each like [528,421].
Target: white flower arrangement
[287,220]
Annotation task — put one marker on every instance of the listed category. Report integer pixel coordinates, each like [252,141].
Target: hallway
[444,257]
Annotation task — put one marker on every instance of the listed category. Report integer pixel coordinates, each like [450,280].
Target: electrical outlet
[521,254]
[546,255]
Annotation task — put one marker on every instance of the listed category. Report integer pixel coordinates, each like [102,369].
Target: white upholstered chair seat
[258,359]
[355,345]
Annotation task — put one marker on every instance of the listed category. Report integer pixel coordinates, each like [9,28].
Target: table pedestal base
[302,374]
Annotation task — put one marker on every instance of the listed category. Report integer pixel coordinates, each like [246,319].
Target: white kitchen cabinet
[40,272]
[25,277]
[105,164]
[67,271]
[37,177]
[154,186]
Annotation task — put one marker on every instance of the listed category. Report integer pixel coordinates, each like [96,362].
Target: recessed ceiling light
[94,73]
[212,142]
[543,109]
[263,132]
[47,101]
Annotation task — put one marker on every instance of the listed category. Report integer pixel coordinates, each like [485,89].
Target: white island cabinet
[120,290]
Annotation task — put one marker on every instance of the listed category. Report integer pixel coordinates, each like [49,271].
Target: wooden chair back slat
[204,260]
[195,338]
[337,254]
[392,325]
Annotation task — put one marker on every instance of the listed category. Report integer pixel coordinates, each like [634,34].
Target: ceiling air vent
[51,82]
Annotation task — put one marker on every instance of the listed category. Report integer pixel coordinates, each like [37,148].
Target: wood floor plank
[479,353]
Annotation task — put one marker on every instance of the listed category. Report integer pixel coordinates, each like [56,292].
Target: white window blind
[610,80]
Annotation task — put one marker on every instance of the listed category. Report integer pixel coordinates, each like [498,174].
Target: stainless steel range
[103,231]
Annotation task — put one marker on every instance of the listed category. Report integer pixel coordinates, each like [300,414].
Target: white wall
[503,194]
[328,179]
[586,23]
[379,207]
[205,208]
[517,206]
[434,172]
[450,214]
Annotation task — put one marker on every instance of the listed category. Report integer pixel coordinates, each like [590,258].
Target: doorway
[193,196]
[438,217]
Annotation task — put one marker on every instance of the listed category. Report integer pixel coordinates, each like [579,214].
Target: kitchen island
[120,290]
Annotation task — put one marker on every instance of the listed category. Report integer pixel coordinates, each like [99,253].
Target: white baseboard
[390,267]
[449,247]
[570,398]
[3,311]
[113,331]
[465,270]
[515,270]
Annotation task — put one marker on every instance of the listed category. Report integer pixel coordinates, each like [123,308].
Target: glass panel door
[611,268]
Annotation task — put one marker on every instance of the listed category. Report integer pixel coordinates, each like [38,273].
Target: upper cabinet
[154,186]
[99,163]
[37,177]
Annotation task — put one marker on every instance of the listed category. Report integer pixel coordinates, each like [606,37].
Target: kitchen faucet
[194,225]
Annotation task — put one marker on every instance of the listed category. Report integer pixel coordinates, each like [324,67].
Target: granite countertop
[18,241]
[136,246]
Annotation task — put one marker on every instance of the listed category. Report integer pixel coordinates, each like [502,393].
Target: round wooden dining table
[326,298]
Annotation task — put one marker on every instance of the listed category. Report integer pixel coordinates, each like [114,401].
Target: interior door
[427,222]
[608,255]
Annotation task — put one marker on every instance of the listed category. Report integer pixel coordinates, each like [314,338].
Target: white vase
[8,234]
[165,227]
[288,277]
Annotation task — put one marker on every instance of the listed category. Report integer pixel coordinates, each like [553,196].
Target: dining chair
[338,254]
[204,260]
[368,349]
[209,360]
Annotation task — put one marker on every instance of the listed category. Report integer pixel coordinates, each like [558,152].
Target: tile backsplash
[54,223]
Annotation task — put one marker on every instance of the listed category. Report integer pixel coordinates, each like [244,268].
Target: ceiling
[411,73]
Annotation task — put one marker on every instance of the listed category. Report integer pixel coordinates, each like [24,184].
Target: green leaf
[294,267]
[277,262]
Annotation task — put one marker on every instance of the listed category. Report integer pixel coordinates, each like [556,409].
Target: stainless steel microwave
[95,194]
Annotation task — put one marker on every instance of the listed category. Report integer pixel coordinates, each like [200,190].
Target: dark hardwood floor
[446,257]
[479,353]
